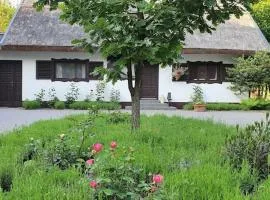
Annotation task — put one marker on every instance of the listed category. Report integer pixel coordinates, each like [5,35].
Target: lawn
[187,152]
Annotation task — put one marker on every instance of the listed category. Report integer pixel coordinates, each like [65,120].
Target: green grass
[186,151]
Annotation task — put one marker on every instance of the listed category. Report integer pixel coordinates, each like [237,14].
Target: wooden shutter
[92,66]
[43,70]
[212,71]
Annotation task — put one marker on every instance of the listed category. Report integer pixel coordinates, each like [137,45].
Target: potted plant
[197,99]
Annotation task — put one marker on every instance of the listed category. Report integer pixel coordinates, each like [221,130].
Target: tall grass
[186,151]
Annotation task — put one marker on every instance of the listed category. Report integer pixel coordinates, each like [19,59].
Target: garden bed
[186,152]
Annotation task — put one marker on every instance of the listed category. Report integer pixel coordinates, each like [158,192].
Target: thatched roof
[31,30]
[235,34]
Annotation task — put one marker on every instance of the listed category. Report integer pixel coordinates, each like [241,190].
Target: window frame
[86,62]
[219,65]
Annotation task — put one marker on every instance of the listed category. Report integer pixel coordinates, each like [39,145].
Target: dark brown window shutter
[92,66]
[212,71]
[192,71]
[43,70]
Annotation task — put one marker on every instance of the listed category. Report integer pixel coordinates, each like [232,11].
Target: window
[70,70]
[200,72]
[43,70]
[204,72]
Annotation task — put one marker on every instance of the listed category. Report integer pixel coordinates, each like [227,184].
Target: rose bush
[114,174]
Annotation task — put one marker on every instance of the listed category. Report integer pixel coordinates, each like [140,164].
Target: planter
[199,107]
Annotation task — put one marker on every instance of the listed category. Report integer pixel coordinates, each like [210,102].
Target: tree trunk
[136,109]
[135,93]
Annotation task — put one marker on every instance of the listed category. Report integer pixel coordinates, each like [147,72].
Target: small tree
[135,32]
[251,74]
[6,13]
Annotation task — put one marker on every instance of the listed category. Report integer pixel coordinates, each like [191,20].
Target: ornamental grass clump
[114,174]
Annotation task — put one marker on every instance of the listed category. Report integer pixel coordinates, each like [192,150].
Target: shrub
[72,95]
[30,105]
[60,105]
[188,106]
[100,89]
[114,174]
[225,106]
[40,97]
[197,97]
[118,117]
[83,105]
[61,153]
[6,178]
[52,97]
[256,104]
[251,144]
[218,106]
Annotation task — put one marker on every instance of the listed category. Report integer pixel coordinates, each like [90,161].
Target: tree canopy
[251,74]
[134,32]
[261,13]
[6,13]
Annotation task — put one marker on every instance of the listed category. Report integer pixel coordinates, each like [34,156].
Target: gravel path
[11,118]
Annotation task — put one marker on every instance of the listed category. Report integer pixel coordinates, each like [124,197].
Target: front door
[150,81]
[10,83]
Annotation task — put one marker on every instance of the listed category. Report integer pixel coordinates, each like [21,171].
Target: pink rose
[90,162]
[158,179]
[113,144]
[97,147]
[93,184]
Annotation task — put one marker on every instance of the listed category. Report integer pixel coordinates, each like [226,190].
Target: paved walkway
[11,118]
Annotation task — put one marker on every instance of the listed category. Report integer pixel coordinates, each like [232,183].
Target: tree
[6,13]
[251,74]
[261,13]
[135,32]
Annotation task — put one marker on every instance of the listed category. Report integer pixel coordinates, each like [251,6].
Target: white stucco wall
[181,91]
[31,86]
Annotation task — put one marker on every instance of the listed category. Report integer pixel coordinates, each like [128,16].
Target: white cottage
[36,53]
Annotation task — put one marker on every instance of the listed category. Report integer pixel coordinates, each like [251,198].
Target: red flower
[93,184]
[158,179]
[113,144]
[90,162]
[97,147]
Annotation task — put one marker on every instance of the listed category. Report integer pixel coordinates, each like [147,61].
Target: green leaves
[136,31]
[6,13]
[261,13]
[251,74]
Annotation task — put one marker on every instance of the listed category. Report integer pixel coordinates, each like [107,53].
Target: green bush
[256,104]
[60,105]
[118,117]
[218,106]
[30,105]
[83,105]
[188,106]
[224,106]
[251,145]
